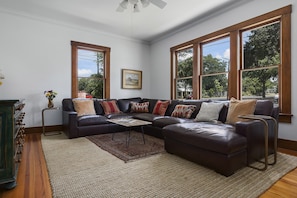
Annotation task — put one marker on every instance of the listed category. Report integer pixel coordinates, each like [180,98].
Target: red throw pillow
[161,107]
[110,107]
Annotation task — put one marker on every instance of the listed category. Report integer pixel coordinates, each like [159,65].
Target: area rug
[136,148]
[78,168]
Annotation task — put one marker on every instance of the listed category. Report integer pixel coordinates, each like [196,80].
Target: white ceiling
[149,24]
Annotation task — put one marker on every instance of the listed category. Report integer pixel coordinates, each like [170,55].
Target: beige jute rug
[79,168]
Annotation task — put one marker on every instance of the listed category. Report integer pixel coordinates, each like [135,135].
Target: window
[260,64]
[184,73]
[251,59]
[90,71]
[215,68]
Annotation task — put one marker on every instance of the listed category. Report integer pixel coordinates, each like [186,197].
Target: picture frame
[131,79]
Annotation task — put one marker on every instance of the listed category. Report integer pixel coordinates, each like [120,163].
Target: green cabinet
[11,140]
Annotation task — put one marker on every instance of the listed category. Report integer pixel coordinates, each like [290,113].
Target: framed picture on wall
[131,79]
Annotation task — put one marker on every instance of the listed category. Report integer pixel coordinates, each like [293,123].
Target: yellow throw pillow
[240,107]
[84,107]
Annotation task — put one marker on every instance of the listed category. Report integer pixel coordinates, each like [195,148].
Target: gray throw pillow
[209,112]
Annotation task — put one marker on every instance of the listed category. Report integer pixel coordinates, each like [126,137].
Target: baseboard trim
[287,144]
[39,129]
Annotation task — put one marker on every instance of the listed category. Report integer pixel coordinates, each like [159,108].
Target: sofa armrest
[70,124]
[254,131]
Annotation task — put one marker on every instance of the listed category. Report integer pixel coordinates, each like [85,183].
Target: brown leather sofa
[216,145]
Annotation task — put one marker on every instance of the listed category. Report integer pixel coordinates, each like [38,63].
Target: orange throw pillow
[161,107]
[240,107]
[84,107]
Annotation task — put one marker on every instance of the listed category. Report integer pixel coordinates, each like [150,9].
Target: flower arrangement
[50,94]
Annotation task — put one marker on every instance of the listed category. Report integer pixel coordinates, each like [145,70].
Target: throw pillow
[183,111]
[161,107]
[209,111]
[84,107]
[239,107]
[110,107]
[139,107]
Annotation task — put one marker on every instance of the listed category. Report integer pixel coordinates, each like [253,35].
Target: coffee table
[130,123]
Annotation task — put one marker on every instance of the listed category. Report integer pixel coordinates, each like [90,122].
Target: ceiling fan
[124,4]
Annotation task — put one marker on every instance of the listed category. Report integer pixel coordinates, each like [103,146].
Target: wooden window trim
[284,16]
[74,49]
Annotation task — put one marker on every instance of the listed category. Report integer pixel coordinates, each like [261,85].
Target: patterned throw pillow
[161,107]
[139,107]
[240,107]
[183,111]
[209,111]
[110,107]
[84,107]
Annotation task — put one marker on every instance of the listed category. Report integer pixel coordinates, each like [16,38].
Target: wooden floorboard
[33,180]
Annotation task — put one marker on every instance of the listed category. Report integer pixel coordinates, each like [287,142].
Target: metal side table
[263,119]
[43,126]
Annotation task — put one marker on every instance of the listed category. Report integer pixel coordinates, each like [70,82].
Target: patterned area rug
[136,148]
[79,169]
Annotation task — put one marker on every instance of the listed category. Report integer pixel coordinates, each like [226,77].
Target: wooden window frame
[284,16]
[75,46]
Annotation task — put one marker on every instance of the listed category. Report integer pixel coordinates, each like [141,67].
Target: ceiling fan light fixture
[124,4]
[145,3]
[133,2]
[136,8]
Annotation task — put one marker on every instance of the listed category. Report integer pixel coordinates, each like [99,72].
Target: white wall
[160,78]
[36,56]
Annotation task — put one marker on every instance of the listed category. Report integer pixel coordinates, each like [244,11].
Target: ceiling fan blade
[159,3]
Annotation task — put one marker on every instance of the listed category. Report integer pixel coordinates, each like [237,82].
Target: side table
[263,118]
[43,126]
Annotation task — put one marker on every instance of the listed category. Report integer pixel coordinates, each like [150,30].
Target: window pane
[184,89]
[90,73]
[261,49]
[216,56]
[260,84]
[185,63]
[261,46]
[215,86]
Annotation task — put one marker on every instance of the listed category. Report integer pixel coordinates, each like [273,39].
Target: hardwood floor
[33,180]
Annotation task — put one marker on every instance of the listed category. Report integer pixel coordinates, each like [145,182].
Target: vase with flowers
[50,95]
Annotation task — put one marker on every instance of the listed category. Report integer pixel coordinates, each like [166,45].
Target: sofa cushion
[165,121]
[219,138]
[91,120]
[209,111]
[183,111]
[67,104]
[264,107]
[98,107]
[197,103]
[110,107]
[239,107]
[125,104]
[161,107]
[84,107]
[147,116]
[140,107]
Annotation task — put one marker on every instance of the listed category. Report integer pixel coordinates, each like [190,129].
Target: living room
[36,56]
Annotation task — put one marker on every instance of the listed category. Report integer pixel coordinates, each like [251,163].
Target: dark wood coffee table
[130,123]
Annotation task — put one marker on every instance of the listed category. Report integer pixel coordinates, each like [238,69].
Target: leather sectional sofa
[222,147]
